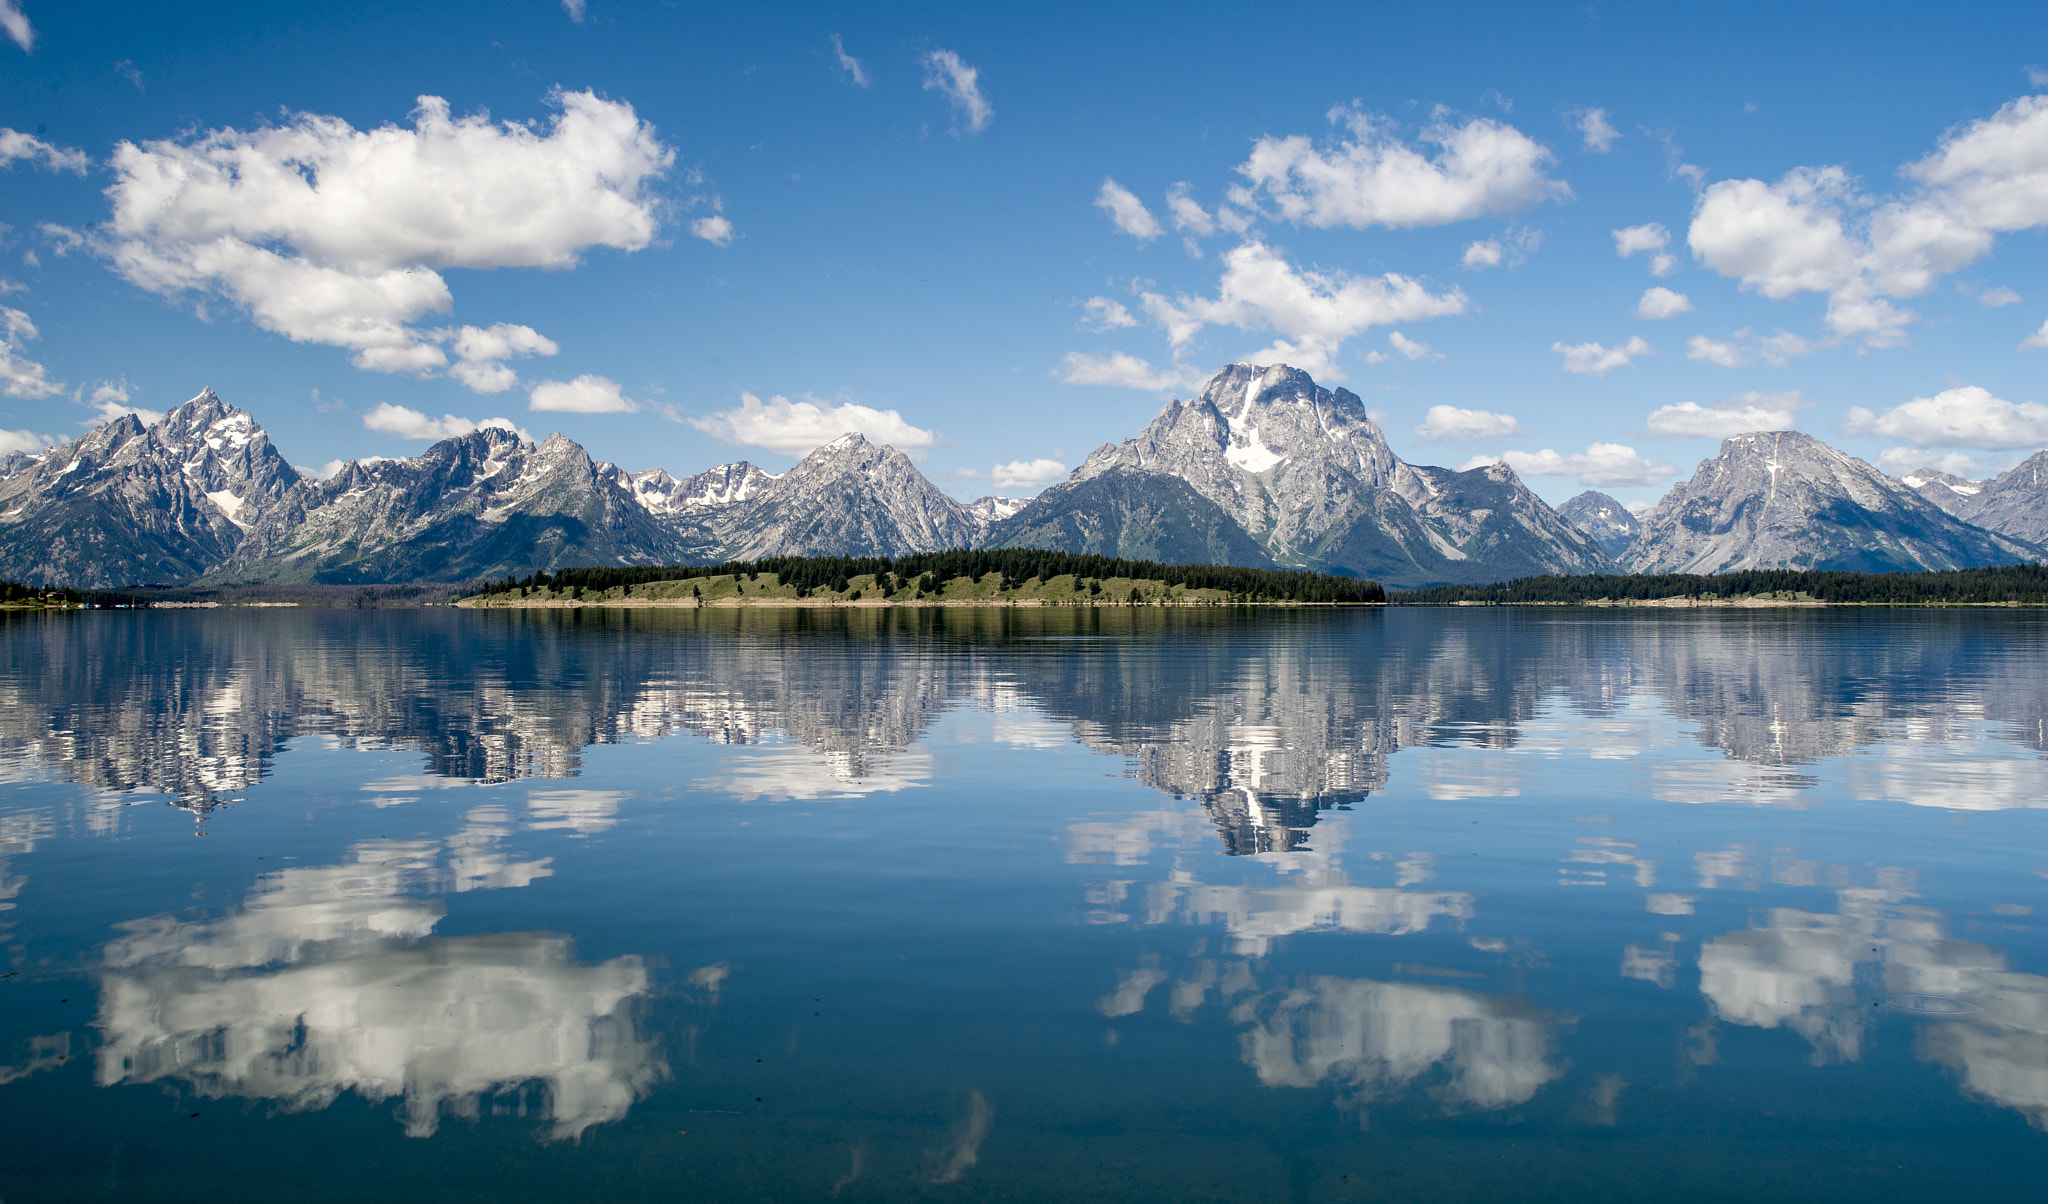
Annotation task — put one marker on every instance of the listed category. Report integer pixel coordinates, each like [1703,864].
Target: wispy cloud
[15,22]
[1597,135]
[948,74]
[849,64]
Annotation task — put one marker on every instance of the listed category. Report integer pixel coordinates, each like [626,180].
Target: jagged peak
[1922,476]
[1501,471]
[206,405]
[1776,439]
[1237,389]
[493,436]
[852,447]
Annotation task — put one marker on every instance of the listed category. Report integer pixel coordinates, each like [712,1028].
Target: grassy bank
[868,589]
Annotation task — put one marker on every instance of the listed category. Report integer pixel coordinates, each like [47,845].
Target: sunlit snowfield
[1112,905]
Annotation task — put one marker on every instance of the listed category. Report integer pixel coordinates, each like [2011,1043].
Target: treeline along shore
[2006,585]
[1042,578]
[1024,576]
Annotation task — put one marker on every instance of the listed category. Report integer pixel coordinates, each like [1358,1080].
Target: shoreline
[865,603]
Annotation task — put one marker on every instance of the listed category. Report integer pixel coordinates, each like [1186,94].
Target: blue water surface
[1016,904]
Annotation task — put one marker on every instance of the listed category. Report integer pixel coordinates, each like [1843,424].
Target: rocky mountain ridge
[2014,503]
[1303,475]
[1776,499]
[1605,521]
[1263,469]
[127,504]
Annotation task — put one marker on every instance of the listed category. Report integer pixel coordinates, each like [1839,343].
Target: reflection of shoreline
[1268,719]
[328,980]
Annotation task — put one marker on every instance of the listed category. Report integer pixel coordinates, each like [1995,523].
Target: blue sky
[998,236]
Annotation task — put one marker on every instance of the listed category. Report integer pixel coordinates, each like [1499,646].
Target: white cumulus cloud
[795,428]
[411,424]
[1659,303]
[1372,178]
[1998,298]
[1737,415]
[480,350]
[1719,352]
[849,64]
[1815,231]
[1122,371]
[1186,213]
[1593,359]
[20,376]
[949,75]
[1449,423]
[25,441]
[1482,255]
[1026,474]
[1650,236]
[575,9]
[715,229]
[1967,416]
[1104,313]
[1313,312]
[17,146]
[1594,129]
[587,394]
[1602,466]
[1127,211]
[329,234]
[2036,340]
[109,401]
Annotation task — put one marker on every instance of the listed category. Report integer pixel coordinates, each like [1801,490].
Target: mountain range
[1264,468]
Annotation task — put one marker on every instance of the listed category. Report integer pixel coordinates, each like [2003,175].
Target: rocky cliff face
[985,511]
[1264,469]
[128,504]
[1307,477]
[202,495]
[1131,514]
[1945,489]
[1782,499]
[848,498]
[1604,520]
[713,491]
[485,504]
[2014,503]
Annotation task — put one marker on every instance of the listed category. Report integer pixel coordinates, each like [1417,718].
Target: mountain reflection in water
[1266,723]
[1097,904]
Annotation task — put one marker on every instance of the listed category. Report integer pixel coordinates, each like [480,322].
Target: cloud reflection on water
[327,979]
[1831,977]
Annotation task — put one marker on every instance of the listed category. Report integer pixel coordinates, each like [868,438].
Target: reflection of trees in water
[1266,718]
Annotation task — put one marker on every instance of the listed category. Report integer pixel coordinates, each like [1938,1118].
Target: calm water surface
[1101,905]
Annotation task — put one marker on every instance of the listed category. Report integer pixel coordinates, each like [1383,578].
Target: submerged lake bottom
[1410,904]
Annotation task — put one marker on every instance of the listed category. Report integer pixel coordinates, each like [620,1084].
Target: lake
[1007,904]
